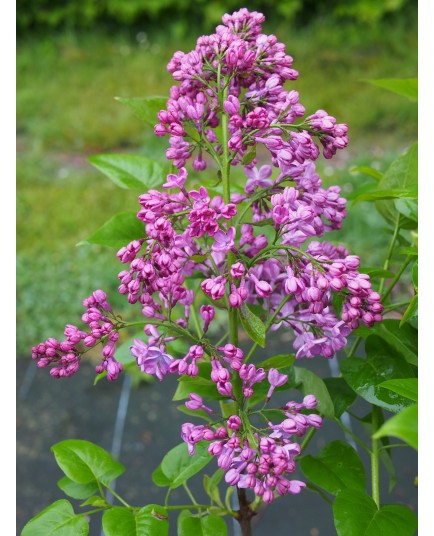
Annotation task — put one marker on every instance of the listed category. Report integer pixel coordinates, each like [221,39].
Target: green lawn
[66,111]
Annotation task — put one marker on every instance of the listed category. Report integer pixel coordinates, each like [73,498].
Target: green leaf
[411,311]
[404,339]
[366,188]
[263,223]
[407,87]
[253,325]
[198,385]
[356,514]
[407,387]
[402,425]
[179,466]
[129,171]
[390,193]
[152,520]
[337,302]
[119,520]
[159,478]
[366,375]
[145,108]
[199,413]
[313,384]
[368,170]
[77,491]
[376,272]
[411,250]
[117,232]
[211,525]
[58,519]
[401,174]
[249,155]
[84,462]
[95,500]
[408,208]
[341,394]
[336,467]
[278,362]
[210,485]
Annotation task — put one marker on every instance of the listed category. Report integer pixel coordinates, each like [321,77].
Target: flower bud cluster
[240,71]
[258,461]
[64,356]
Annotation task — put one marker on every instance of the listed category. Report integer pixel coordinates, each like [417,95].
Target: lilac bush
[252,256]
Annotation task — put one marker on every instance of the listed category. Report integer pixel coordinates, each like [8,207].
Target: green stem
[394,446]
[354,347]
[193,500]
[394,306]
[222,339]
[118,497]
[315,489]
[375,456]
[196,321]
[397,277]
[307,439]
[91,512]
[350,433]
[390,251]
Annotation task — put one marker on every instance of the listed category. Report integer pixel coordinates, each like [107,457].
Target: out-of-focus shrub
[43,14]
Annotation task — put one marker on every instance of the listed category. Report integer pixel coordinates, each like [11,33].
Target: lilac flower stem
[196,321]
[351,434]
[397,277]
[245,513]
[191,496]
[390,252]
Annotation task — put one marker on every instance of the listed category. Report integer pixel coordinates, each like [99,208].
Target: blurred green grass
[66,84]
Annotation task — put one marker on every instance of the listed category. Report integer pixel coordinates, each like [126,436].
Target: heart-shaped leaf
[179,466]
[117,232]
[336,467]
[152,520]
[129,171]
[84,462]
[356,514]
[77,491]
[58,519]
[212,525]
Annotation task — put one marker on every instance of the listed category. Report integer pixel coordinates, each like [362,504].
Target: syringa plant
[244,254]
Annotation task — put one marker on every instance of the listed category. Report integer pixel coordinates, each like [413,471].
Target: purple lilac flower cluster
[251,68]
[261,461]
[64,356]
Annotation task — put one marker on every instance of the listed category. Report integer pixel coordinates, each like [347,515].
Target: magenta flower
[223,242]
[176,181]
[257,178]
[151,359]
[276,380]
